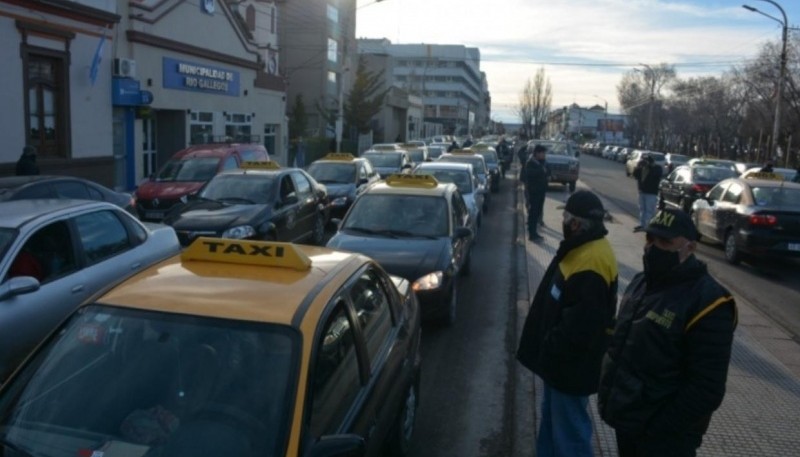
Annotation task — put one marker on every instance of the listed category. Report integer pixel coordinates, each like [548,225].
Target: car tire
[318,232]
[399,440]
[732,254]
[449,314]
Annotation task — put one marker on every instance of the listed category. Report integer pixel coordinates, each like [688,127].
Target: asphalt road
[773,286]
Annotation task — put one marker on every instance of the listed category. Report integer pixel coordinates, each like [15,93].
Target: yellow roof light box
[261,165]
[343,156]
[764,175]
[246,252]
[417,181]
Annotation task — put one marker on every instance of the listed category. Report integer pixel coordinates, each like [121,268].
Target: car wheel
[572,186]
[400,438]
[732,253]
[318,235]
[449,316]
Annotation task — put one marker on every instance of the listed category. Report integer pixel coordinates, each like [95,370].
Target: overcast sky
[585,46]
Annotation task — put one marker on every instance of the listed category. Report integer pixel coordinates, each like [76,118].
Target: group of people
[658,364]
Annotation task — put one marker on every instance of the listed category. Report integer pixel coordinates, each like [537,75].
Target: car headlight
[340,201]
[239,232]
[428,282]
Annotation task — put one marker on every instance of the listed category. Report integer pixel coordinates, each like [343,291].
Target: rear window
[712,173]
[384,160]
[776,196]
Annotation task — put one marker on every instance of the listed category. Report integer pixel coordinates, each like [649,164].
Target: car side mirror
[338,446]
[290,199]
[336,222]
[18,286]
[462,232]
[363,181]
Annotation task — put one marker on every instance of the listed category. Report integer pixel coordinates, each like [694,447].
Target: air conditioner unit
[125,68]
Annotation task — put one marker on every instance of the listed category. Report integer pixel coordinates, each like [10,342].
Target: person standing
[26,165]
[664,373]
[566,331]
[536,178]
[453,146]
[648,176]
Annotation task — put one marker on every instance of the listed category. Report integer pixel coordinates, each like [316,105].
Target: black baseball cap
[670,223]
[539,148]
[585,204]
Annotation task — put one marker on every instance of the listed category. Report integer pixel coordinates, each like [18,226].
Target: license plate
[794,246]
[153,215]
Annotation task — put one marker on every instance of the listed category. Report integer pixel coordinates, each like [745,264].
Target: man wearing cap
[665,371]
[567,329]
[26,165]
[536,178]
[648,178]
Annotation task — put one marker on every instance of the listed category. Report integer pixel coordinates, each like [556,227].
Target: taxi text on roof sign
[245,252]
[765,175]
[339,156]
[424,181]
[262,165]
[462,151]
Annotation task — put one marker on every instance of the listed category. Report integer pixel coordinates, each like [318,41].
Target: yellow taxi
[231,348]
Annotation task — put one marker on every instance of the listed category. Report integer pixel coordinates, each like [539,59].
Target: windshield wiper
[362,230]
[237,199]
[404,233]
[15,447]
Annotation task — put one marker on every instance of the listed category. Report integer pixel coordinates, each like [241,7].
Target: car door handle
[78,288]
[136,265]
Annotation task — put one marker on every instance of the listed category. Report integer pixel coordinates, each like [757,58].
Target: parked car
[187,171]
[418,153]
[58,253]
[261,201]
[561,160]
[344,176]
[714,162]
[637,154]
[42,186]
[759,218]
[687,183]
[415,228]
[672,161]
[435,150]
[489,154]
[787,174]
[462,176]
[233,348]
[388,162]
[478,167]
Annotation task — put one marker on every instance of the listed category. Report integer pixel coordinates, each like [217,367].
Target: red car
[187,171]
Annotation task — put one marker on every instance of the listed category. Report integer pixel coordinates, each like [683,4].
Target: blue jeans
[566,428]
[647,208]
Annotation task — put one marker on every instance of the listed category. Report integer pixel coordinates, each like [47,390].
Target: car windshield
[556,148]
[435,151]
[488,156]
[383,159]
[416,155]
[460,178]
[7,235]
[150,383]
[253,188]
[776,196]
[399,215]
[712,173]
[193,169]
[333,173]
[476,161]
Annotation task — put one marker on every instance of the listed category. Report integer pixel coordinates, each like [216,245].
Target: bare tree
[642,89]
[534,103]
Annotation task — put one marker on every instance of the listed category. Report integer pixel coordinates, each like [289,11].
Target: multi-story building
[579,123]
[110,89]
[454,91]
[318,49]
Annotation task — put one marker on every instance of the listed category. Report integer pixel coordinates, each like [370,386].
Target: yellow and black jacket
[665,372]
[567,329]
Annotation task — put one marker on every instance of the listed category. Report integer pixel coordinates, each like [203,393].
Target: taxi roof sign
[344,156]
[260,165]
[462,151]
[764,175]
[418,181]
[247,252]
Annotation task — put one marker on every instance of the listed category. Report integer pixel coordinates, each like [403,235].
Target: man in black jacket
[665,371]
[26,165]
[566,332]
[648,177]
[536,176]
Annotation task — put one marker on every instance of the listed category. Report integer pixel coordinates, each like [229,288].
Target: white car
[58,253]
[462,176]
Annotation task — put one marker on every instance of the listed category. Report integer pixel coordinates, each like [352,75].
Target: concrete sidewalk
[760,414]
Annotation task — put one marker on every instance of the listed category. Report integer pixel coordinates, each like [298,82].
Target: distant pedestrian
[26,165]
[665,371]
[567,328]
[767,168]
[467,142]
[537,176]
[453,146]
[648,176]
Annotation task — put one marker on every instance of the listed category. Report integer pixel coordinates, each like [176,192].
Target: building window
[333,48]
[238,128]
[332,77]
[46,85]
[201,128]
[333,13]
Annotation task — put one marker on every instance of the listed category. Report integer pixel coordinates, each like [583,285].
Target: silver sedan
[58,253]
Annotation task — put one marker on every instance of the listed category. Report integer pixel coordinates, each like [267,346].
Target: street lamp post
[776,126]
[652,76]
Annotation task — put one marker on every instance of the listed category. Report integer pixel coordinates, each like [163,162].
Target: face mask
[657,262]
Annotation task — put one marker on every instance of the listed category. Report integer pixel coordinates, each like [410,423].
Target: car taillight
[762,220]
[700,188]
